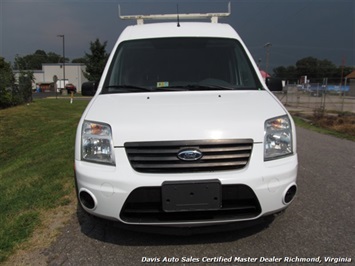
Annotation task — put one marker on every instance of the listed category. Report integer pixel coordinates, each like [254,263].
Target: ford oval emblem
[190,155]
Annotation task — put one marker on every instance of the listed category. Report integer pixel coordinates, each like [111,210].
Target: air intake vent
[189,156]
[144,205]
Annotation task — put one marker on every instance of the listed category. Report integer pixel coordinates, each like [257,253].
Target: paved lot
[319,223]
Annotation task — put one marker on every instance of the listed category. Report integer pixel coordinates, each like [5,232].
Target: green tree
[22,92]
[96,60]
[12,94]
[286,73]
[55,58]
[79,60]
[7,81]
[315,70]
[308,66]
[25,85]
[35,61]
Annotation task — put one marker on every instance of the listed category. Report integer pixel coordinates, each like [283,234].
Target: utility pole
[62,36]
[267,46]
[342,92]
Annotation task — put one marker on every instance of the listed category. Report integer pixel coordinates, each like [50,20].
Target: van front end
[170,170]
[200,198]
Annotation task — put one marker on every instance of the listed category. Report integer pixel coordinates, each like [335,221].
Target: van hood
[160,116]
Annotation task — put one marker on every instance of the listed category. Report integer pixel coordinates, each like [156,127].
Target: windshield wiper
[197,87]
[126,88]
[189,87]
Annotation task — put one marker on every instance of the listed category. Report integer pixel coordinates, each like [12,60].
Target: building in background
[44,79]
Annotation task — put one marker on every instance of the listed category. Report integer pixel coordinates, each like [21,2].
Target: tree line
[95,60]
[315,69]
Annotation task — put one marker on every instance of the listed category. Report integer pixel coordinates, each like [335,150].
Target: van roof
[186,29]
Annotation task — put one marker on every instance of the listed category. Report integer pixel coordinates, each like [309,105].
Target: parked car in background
[70,88]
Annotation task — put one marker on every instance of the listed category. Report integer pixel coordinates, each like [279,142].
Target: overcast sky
[324,29]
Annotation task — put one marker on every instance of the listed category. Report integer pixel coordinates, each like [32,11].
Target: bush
[5,98]
[10,93]
[6,82]
[318,113]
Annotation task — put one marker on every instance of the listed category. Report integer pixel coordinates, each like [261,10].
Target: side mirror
[274,84]
[89,88]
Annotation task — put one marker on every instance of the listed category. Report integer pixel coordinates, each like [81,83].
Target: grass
[328,125]
[36,158]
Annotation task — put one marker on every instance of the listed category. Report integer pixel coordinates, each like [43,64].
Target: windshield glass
[180,64]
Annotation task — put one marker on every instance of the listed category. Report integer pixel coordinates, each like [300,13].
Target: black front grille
[144,205]
[162,156]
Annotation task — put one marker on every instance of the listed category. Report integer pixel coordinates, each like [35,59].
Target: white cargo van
[183,130]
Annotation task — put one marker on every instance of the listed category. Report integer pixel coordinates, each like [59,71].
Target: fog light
[290,194]
[87,200]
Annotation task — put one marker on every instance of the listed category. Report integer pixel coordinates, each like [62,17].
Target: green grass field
[36,158]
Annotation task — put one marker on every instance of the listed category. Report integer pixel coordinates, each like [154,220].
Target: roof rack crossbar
[140,18]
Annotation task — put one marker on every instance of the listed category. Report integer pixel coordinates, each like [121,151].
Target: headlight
[96,143]
[277,138]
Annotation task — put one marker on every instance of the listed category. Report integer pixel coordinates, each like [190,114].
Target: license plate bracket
[187,196]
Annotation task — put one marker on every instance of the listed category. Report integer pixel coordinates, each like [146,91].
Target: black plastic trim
[144,205]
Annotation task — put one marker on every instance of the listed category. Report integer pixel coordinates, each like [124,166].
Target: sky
[324,29]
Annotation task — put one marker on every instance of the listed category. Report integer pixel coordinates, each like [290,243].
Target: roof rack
[140,18]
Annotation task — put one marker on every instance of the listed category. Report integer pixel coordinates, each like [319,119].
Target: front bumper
[256,190]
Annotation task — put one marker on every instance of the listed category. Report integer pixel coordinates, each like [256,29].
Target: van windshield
[180,64]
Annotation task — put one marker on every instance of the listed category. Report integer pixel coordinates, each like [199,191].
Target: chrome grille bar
[162,156]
